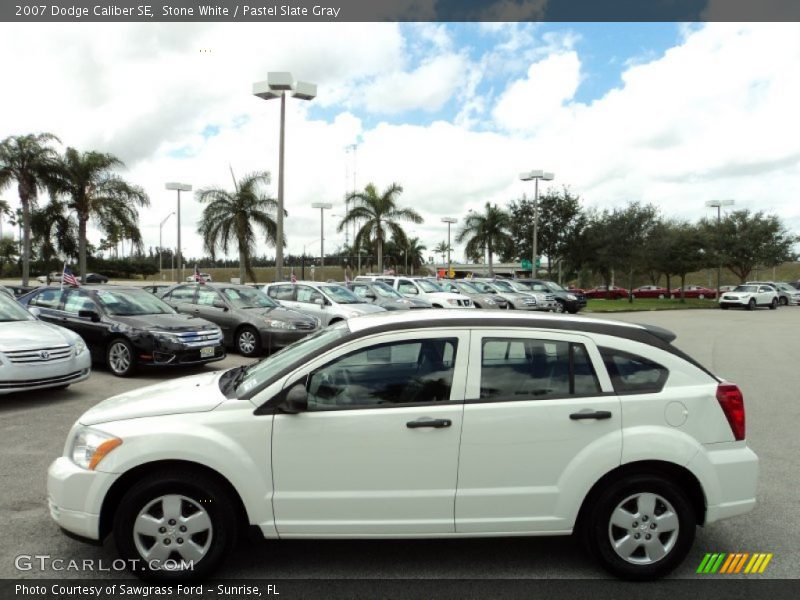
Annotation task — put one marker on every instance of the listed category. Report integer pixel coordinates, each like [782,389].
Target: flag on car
[197,276]
[68,277]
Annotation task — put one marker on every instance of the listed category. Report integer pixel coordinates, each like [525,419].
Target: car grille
[529,301]
[204,337]
[549,297]
[24,383]
[464,302]
[40,355]
[305,325]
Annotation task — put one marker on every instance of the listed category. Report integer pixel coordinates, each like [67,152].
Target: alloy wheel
[643,528]
[119,357]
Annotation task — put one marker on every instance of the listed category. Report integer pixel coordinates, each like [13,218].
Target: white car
[750,297]
[36,355]
[205,276]
[418,424]
[424,288]
[328,302]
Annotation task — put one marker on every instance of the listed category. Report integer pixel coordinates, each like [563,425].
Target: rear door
[541,425]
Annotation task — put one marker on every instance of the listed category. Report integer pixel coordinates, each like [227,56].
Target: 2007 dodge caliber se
[418,425]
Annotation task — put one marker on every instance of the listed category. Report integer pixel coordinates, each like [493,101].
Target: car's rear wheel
[752,304]
[175,526]
[774,304]
[561,307]
[120,357]
[641,527]
[783,301]
[248,342]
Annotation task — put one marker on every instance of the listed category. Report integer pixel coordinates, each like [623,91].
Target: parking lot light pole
[718,204]
[322,206]
[179,187]
[160,252]
[449,221]
[276,86]
[536,176]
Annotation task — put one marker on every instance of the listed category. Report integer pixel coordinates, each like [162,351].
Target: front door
[92,332]
[210,305]
[541,424]
[377,451]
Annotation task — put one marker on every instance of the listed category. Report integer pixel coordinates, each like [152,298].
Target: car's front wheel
[774,304]
[248,342]
[561,307]
[752,304]
[173,526]
[641,527]
[120,357]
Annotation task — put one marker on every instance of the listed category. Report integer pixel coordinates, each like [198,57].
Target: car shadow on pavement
[35,399]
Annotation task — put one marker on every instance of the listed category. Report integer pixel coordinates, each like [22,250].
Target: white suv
[750,296]
[422,287]
[418,424]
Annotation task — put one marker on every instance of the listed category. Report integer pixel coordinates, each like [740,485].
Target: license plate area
[207,352]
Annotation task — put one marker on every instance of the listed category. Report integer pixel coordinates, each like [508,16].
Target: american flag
[294,278]
[197,276]
[68,278]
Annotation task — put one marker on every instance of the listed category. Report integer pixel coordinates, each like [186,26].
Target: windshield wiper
[232,378]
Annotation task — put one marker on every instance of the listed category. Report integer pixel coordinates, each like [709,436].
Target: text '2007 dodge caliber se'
[418,424]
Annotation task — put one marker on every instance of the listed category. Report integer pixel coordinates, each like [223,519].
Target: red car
[695,291]
[650,291]
[601,291]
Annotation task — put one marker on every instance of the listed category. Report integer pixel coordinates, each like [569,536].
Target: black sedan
[95,278]
[128,327]
[250,320]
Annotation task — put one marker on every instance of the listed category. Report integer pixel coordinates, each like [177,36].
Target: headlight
[490,302]
[452,301]
[571,297]
[80,347]
[89,447]
[275,324]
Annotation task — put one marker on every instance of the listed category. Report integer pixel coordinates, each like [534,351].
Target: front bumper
[728,473]
[75,497]
[163,352]
[37,376]
[272,339]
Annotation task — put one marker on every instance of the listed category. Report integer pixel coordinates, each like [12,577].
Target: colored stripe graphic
[735,562]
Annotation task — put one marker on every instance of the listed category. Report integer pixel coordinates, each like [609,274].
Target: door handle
[424,422]
[596,414]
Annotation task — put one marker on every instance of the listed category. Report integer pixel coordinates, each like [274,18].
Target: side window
[632,374]
[207,297]
[307,294]
[47,299]
[360,291]
[405,372]
[524,369]
[182,294]
[78,300]
[406,287]
[281,292]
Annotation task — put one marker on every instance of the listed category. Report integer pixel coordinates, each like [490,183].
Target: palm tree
[93,191]
[31,162]
[442,248]
[488,230]
[378,213]
[5,211]
[234,217]
[8,252]
[414,251]
[55,231]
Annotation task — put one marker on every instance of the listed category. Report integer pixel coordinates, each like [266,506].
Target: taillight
[731,400]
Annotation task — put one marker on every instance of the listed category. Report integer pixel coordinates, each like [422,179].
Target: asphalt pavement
[755,349]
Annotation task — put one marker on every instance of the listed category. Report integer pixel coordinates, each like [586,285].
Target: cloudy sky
[667,113]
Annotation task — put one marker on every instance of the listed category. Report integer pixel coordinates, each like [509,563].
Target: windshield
[11,310]
[428,286]
[746,288]
[467,288]
[383,290]
[340,294]
[503,286]
[130,303]
[263,371]
[554,286]
[520,287]
[484,287]
[786,287]
[247,297]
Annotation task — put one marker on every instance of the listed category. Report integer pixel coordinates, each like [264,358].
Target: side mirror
[89,314]
[370,295]
[220,304]
[319,302]
[35,311]
[295,401]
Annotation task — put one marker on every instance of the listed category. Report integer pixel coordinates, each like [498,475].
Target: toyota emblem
[44,355]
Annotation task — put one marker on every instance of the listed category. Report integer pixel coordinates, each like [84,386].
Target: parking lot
[755,349]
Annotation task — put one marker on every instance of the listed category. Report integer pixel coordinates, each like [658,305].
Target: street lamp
[718,204]
[449,221]
[536,176]
[179,187]
[276,86]
[159,241]
[322,206]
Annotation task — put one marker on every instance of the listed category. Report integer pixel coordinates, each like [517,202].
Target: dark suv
[127,327]
[568,301]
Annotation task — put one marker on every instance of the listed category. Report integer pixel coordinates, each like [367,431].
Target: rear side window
[281,292]
[633,374]
[531,369]
[47,299]
[181,294]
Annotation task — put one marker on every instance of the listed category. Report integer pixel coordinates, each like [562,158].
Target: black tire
[573,311]
[724,306]
[120,357]
[774,304]
[784,301]
[561,307]
[198,493]
[752,304]
[600,531]
[248,341]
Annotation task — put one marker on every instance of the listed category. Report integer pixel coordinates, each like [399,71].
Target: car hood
[362,308]
[167,322]
[196,393]
[445,295]
[34,335]
[279,313]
